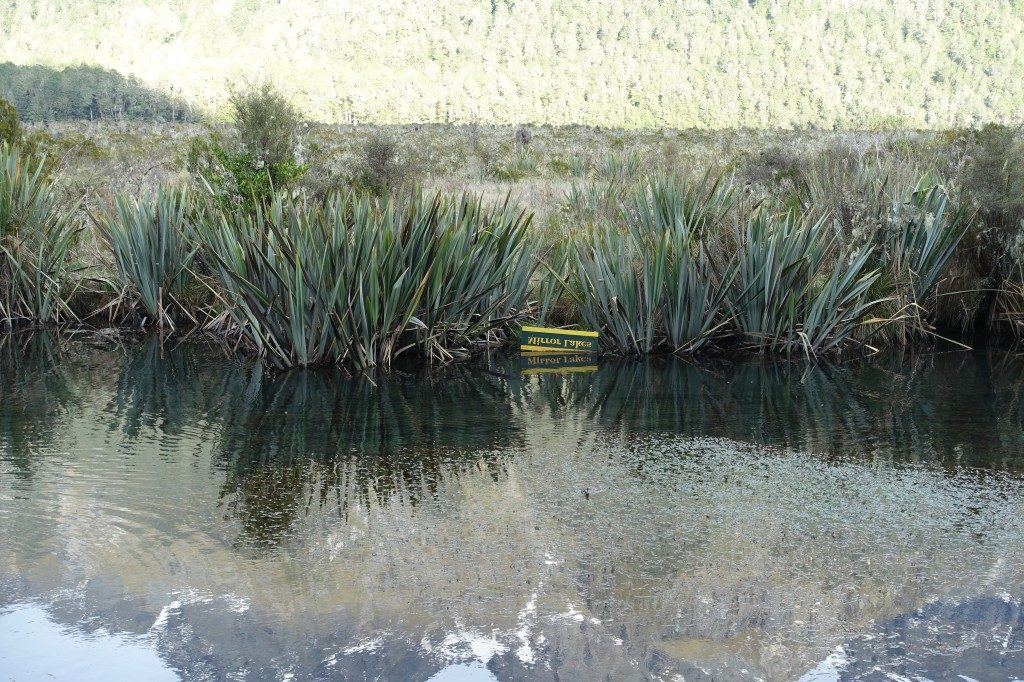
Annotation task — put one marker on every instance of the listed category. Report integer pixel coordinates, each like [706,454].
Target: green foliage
[677,219]
[10,131]
[360,281]
[994,175]
[992,183]
[911,222]
[664,275]
[621,166]
[561,168]
[266,125]
[926,232]
[237,179]
[380,171]
[651,260]
[249,169]
[38,232]
[652,284]
[41,94]
[258,160]
[589,203]
[794,289]
[149,240]
[515,165]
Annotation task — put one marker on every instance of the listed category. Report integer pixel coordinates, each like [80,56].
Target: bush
[37,235]
[10,130]
[266,123]
[380,172]
[259,159]
[150,243]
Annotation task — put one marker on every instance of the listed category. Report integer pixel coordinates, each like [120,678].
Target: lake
[170,512]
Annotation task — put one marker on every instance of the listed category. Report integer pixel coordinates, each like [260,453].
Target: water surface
[168,513]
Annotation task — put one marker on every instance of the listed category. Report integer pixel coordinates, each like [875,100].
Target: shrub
[992,182]
[266,123]
[380,172]
[259,160]
[908,219]
[237,179]
[10,130]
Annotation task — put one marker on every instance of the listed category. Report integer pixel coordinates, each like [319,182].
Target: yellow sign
[561,340]
[548,362]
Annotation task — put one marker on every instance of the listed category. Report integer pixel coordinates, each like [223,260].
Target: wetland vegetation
[264,264]
[664,243]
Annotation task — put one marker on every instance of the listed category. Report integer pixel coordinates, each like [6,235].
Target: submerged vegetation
[357,255]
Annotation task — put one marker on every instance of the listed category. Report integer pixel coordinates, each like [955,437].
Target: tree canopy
[675,63]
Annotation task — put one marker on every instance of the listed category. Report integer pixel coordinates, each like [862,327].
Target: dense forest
[675,63]
[42,94]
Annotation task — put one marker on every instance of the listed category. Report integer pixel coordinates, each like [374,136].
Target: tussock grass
[810,246]
[795,289]
[646,278]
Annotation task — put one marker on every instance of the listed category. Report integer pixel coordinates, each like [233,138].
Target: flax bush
[38,233]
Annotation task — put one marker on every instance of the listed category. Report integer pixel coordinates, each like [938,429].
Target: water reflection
[645,521]
[289,441]
[34,647]
[957,409]
[36,394]
[165,387]
[980,639]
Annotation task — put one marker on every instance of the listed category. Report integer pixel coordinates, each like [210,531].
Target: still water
[168,513]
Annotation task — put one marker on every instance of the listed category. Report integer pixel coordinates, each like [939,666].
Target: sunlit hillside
[673,63]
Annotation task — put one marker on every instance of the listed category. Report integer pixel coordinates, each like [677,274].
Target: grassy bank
[666,241]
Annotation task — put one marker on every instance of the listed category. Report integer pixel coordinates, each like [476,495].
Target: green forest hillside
[678,63]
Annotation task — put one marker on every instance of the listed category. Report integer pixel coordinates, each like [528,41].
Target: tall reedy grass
[913,223]
[1009,301]
[357,280]
[150,240]
[38,233]
[479,276]
[927,231]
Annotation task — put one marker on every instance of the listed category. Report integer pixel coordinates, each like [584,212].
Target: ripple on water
[620,524]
